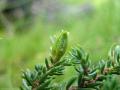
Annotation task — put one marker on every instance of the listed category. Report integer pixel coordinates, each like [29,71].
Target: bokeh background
[27,25]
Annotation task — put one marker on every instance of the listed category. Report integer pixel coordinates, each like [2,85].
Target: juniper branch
[90,76]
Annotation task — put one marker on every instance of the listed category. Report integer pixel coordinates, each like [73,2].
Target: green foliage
[41,77]
[111,83]
[90,76]
[93,76]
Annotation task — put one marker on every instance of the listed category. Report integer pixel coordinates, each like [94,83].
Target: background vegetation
[25,40]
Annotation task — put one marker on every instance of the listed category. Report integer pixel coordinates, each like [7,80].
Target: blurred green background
[27,25]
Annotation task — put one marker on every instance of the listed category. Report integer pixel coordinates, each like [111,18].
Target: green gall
[59,46]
